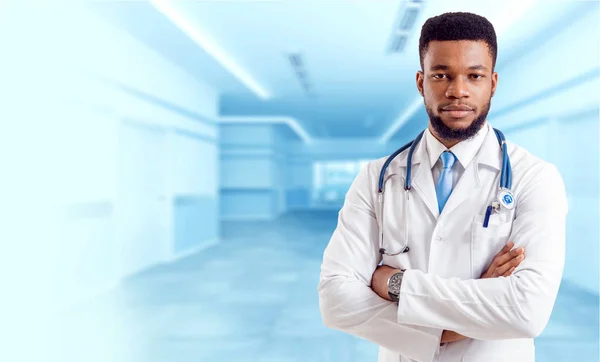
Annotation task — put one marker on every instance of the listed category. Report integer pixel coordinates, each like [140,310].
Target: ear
[420,78]
[494,82]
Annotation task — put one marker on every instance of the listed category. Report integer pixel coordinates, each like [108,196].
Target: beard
[458,134]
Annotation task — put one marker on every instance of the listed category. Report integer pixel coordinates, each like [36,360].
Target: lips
[457,111]
[457,108]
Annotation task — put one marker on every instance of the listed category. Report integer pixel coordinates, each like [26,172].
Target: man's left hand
[379,281]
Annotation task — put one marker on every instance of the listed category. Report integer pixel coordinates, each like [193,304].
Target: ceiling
[351,85]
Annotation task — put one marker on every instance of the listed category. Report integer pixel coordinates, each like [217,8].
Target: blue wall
[252,171]
[194,192]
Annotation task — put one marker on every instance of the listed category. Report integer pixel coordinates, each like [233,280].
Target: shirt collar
[464,151]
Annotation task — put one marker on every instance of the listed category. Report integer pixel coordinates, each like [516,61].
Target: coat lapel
[422,179]
[467,185]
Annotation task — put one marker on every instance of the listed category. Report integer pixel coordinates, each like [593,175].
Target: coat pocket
[486,242]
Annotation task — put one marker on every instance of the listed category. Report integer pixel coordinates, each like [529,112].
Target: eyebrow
[478,67]
[445,67]
[439,67]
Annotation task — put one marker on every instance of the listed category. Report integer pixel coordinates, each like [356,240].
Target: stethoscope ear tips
[405,250]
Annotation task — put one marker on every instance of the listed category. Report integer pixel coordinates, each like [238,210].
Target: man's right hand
[503,264]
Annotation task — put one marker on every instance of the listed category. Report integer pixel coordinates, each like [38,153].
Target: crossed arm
[503,264]
[517,306]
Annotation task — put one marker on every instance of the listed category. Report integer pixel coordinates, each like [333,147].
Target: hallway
[253,297]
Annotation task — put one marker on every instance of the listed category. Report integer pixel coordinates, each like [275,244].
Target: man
[463,291]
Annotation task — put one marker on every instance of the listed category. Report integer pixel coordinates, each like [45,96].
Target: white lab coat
[448,253]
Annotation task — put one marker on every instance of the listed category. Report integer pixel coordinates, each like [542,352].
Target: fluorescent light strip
[404,117]
[291,122]
[165,7]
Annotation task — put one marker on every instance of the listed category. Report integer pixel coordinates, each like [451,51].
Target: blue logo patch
[507,199]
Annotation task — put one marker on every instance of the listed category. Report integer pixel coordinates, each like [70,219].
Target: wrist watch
[394,284]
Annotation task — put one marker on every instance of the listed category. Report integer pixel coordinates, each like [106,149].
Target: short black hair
[458,26]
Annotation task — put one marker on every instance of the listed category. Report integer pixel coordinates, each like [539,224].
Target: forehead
[458,54]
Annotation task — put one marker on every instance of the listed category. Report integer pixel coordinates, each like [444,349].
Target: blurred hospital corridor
[173,169]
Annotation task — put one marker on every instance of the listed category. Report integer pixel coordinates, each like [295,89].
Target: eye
[476,76]
[439,76]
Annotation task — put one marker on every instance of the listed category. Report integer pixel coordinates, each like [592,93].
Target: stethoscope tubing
[505,185]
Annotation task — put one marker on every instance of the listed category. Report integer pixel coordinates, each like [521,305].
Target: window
[331,180]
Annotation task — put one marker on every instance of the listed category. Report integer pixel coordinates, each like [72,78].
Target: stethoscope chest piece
[506,199]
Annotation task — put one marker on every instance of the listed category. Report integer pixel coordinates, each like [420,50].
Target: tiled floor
[254,298]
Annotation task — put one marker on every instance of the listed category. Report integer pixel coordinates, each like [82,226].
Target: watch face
[395,281]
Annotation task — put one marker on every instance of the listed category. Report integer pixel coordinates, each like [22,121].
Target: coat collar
[464,151]
[489,154]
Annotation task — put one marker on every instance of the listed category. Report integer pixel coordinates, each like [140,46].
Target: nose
[457,88]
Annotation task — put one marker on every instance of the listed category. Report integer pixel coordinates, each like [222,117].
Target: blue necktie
[443,188]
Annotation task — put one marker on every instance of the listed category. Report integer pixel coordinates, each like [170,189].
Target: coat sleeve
[518,306]
[346,300]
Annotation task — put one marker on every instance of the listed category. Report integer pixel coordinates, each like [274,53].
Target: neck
[448,143]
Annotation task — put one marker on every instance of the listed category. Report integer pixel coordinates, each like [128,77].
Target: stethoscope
[504,198]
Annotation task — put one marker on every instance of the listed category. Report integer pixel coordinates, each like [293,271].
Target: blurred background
[172,170]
